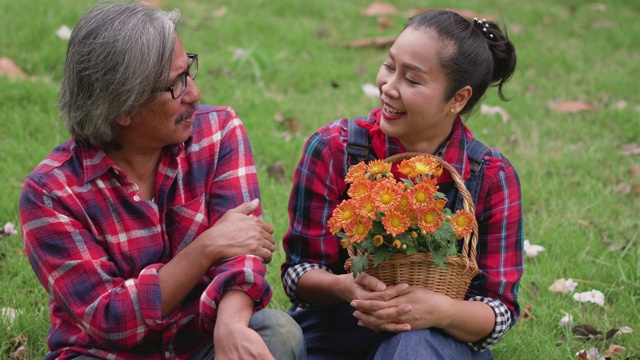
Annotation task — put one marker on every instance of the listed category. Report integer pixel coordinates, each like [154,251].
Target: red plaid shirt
[97,247]
[319,187]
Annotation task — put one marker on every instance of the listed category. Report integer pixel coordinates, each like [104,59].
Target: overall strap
[358,143]
[475,151]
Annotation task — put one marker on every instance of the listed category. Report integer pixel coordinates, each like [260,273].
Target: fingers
[385,319]
[247,208]
[370,282]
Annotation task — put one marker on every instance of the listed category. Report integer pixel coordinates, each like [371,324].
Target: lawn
[571,129]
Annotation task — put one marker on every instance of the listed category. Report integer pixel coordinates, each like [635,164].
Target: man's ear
[124,120]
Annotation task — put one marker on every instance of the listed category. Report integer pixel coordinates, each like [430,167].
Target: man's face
[165,121]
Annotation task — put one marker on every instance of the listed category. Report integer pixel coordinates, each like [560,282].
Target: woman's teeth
[392,111]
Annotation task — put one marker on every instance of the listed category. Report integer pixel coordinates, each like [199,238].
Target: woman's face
[412,91]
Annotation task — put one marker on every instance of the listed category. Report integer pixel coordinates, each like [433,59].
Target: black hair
[471,56]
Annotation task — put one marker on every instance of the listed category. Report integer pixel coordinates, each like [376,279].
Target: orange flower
[462,223]
[430,219]
[358,229]
[395,223]
[406,168]
[421,195]
[366,207]
[424,165]
[356,172]
[379,168]
[378,240]
[386,195]
[344,212]
[440,203]
[344,243]
[397,244]
[359,187]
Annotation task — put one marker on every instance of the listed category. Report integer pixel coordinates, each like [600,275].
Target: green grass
[572,168]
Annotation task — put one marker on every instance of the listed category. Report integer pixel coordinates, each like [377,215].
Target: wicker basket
[419,269]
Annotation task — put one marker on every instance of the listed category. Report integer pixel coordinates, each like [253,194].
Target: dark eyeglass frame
[193,59]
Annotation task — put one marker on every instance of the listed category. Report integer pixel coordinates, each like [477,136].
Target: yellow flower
[386,195]
[356,172]
[395,223]
[462,223]
[397,244]
[378,240]
[379,167]
[430,219]
[345,243]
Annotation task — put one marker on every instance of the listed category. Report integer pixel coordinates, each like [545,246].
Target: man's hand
[232,337]
[239,233]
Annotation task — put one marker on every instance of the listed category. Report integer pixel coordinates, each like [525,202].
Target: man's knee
[280,332]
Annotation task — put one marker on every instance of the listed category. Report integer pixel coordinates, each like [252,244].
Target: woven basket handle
[470,240]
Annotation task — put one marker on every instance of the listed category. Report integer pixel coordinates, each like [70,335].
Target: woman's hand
[412,308]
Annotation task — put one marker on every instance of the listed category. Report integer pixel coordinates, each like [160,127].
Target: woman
[437,70]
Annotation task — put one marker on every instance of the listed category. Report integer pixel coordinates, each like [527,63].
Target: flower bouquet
[401,225]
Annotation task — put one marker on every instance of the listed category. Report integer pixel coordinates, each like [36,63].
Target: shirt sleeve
[317,190]
[502,324]
[245,273]
[500,243]
[70,263]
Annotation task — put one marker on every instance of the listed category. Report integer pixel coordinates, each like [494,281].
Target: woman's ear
[460,99]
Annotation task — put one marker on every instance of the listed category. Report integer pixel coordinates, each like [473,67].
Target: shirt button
[136,198]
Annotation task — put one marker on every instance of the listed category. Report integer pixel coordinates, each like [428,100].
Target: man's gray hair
[118,54]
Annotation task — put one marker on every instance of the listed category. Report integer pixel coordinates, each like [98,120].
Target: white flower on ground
[566,320]
[370,90]
[593,296]
[563,286]
[532,250]
[64,32]
[9,229]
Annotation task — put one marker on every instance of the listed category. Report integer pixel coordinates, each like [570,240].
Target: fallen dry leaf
[220,12]
[384,23]
[587,333]
[630,149]
[493,110]
[10,69]
[526,314]
[375,42]
[276,172]
[573,107]
[379,8]
[614,350]
[155,4]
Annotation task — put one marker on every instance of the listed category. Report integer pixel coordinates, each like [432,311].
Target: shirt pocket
[185,222]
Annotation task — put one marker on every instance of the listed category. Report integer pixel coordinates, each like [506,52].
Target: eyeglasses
[179,85]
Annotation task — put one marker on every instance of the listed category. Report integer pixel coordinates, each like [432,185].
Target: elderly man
[145,227]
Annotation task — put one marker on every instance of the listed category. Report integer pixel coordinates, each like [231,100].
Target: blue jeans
[334,334]
[278,330]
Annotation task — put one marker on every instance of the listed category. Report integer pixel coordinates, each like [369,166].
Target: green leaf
[360,264]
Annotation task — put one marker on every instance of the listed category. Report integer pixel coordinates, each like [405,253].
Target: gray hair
[118,53]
